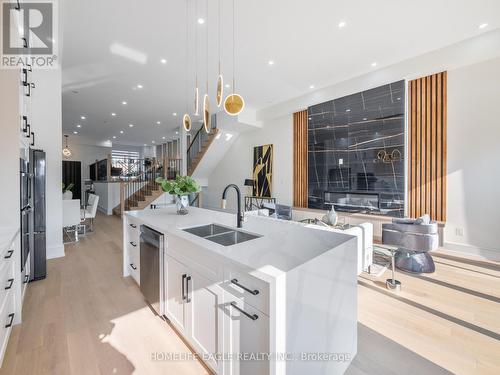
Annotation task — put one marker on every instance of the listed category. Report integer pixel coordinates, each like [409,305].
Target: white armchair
[90,211]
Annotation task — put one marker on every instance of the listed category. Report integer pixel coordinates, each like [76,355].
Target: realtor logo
[28,34]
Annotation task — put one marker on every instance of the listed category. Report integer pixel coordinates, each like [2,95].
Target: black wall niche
[356,152]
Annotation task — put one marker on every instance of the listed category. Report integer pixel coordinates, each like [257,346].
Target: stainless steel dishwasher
[152,255]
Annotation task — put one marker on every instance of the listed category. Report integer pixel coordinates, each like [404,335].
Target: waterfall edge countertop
[283,245]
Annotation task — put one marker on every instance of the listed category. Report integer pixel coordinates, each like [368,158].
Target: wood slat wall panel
[300,157]
[427,143]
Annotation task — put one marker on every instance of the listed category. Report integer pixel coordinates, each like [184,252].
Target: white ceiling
[301,37]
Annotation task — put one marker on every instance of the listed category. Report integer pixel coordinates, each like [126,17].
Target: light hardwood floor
[85,318]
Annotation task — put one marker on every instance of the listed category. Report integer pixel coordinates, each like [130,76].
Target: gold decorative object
[206,113]
[186,122]
[66,151]
[234,104]
[220,90]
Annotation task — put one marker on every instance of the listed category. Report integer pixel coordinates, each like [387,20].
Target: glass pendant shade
[220,90]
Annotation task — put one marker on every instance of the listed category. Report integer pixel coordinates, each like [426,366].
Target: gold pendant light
[234,103]
[220,80]
[206,100]
[186,119]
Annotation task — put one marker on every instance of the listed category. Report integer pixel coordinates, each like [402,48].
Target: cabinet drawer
[7,279]
[248,288]
[8,252]
[134,263]
[132,231]
[6,320]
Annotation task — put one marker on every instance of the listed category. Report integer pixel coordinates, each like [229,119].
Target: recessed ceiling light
[78,126]
[398,98]
[114,137]
[201,21]
[158,122]
[174,114]
[153,142]
[364,119]
[113,114]
[124,103]
[310,118]
[109,141]
[83,117]
[139,86]
[163,61]
[75,132]
[342,24]
[130,125]
[348,110]
[162,137]
[121,131]
[483,25]
[176,132]
[270,62]
[227,85]
[145,144]
[311,86]
[374,64]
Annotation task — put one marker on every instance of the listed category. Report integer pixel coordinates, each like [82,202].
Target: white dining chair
[71,218]
[90,211]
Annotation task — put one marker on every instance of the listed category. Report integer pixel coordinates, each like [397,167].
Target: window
[125,163]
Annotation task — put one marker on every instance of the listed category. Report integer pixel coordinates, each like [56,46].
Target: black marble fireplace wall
[356,152]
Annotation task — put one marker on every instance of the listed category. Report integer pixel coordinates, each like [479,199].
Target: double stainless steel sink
[220,234]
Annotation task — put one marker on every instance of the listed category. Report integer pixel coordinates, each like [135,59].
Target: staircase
[199,146]
[140,199]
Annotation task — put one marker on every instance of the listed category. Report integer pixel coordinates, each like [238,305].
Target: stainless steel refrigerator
[38,254]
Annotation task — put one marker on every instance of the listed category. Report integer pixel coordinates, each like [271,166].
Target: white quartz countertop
[283,246]
[7,234]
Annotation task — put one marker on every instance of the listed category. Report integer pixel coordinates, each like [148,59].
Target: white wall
[474,159]
[47,125]
[237,163]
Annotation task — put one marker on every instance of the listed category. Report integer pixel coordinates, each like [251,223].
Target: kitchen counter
[292,292]
[283,246]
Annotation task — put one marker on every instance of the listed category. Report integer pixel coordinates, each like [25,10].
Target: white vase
[67,195]
[331,217]
[182,202]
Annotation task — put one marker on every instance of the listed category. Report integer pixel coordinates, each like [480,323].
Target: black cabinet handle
[32,139]
[9,254]
[25,77]
[11,316]
[25,43]
[187,289]
[26,278]
[18,6]
[10,281]
[254,292]
[133,243]
[183,288]
[133,267]
[25,125]
[29,90]
[133,226]
[250,316]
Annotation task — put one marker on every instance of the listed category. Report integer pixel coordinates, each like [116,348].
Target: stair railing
[136,188]
[198,140]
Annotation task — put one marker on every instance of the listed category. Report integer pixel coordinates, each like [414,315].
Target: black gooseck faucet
[239,217]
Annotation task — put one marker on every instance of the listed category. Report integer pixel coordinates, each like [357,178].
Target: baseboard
[472,251]
[55,251]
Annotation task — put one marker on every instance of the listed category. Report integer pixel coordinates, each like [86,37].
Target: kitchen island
[282,301]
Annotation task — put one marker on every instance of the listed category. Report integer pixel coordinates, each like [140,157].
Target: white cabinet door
[175,296]
[205,319]
[246,333]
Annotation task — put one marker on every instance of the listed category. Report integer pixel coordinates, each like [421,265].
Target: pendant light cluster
[233,103]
